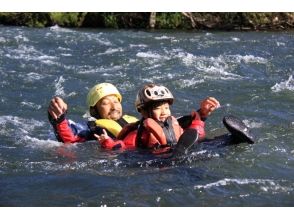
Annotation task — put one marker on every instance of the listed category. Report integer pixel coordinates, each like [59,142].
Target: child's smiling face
[161,112]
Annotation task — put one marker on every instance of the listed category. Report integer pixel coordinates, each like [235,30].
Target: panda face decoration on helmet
[152,93]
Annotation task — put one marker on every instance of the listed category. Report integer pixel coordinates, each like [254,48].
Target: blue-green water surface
[250,73]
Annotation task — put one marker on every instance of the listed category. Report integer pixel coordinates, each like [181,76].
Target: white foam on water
[38,143]
[29,53]
[112,70]
[279,149]
[31,105]
[214,67]
[235,39]
[138,45]
[126,86]
[66,54]
[57,28]
[20,38]
[248,59]
[32,77]
[2,40]
[164,38]
[64,49]
[149,54]
[205,153]
[280,44]
[95,37]
[285,85]
[189,83]
[20,122]
[46,57]
[252,124]
[48,166]
[158,76]
[111,51]
[151,67]
[225,60]
[59,88]
[51,147]
[19,126]
[264,184]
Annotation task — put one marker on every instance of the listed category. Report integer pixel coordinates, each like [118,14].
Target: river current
[250,73]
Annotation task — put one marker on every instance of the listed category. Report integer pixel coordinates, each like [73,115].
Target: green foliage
[67,19]
[169,20]
[26,19]
[164,20]
[110,21]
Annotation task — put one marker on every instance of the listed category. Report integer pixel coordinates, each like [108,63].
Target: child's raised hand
[102,137]
[207,106]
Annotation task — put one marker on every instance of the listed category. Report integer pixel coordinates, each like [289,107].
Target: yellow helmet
[101,90]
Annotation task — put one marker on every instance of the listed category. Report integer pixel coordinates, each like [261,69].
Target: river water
[250,73]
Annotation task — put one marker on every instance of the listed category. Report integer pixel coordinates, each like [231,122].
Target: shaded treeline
[156,20]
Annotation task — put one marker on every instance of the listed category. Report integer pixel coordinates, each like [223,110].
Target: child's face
[161,112]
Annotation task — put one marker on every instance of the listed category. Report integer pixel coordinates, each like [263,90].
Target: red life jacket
[150,133]
[162,133]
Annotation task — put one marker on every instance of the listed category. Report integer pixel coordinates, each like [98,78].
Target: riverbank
[156,20]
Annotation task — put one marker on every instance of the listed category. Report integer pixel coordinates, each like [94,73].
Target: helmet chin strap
[150,113]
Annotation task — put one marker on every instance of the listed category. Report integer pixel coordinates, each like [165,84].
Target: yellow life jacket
[113,126]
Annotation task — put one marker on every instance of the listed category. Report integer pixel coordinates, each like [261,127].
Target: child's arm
[207,106]
[108,143]
[198,124]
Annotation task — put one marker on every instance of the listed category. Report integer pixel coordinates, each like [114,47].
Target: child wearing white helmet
[104,104]
[158,129]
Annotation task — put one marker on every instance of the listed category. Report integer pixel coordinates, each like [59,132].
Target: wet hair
[152,105]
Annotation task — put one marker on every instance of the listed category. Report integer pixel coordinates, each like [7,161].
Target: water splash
[31,105]
[57,28]
[60,89]
[264,184]
[34,142]
[2,40]
[112,50]
[285,85]
[58,86]
[252,124]
[17,124]
[149,55]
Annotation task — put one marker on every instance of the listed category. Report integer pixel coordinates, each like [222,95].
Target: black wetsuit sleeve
[54,123]
[186,120]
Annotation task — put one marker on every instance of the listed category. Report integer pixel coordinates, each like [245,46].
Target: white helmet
[150,93]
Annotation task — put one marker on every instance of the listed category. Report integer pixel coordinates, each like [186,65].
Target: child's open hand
[102,137]
[207,106]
